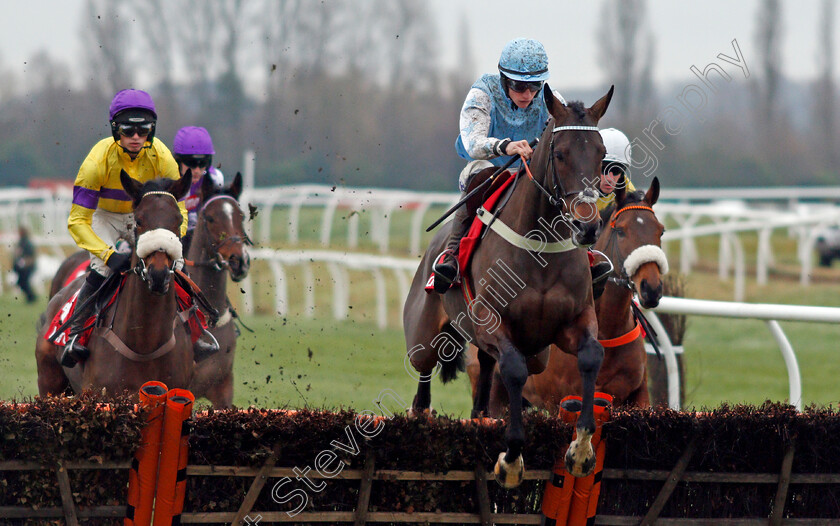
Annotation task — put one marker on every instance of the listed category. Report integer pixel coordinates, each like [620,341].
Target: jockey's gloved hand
[119,262]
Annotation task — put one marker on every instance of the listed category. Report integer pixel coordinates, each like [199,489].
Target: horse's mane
[578,108]
[630,198]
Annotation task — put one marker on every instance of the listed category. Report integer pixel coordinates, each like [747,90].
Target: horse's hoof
[580,459]
[509,475]
[413,412]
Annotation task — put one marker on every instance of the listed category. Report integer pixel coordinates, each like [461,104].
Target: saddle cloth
[78,271]
[471,240]
[196,323]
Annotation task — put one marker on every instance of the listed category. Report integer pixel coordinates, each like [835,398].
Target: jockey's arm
[183,207]
[475,126]
[79,225]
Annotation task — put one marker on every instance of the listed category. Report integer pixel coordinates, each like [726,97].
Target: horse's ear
[555,107]
[600,108]
[180,188]
[235,188]
[131,186]
[207,188]
[549,98]
[652,195]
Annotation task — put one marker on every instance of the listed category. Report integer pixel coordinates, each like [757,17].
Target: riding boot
[74,351]
[203,350]
[445,267]
[600,272]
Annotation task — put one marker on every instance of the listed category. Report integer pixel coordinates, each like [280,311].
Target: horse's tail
[449,369]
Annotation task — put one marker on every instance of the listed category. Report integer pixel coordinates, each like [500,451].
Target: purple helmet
[132,105]
[193,140]
[131,99]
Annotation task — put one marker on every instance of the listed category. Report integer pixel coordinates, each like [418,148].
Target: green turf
[297,362]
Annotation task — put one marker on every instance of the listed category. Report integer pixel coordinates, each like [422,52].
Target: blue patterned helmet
[524,59]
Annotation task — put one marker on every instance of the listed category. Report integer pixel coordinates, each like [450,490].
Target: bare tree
[465,69]
[824,95]
[104,35]
[626,53]
[769,44]
[8,82]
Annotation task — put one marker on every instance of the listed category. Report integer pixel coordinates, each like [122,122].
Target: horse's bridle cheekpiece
[558,198]
[216,262]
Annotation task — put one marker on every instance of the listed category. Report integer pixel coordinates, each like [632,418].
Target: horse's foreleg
[498,396]
[514,371]
[580,457]
[423,398]
[481,398]
[220,394]
[51,377]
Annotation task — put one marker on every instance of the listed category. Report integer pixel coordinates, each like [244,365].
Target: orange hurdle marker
[142,476]
[588,489]
[557,498]
[171,488]
[568,500]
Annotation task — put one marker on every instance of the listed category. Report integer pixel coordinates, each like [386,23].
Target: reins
[216,263]
[612,247]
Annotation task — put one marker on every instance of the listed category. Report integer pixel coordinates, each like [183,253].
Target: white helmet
[618,146]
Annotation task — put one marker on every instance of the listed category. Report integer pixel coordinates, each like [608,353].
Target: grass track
[296,362]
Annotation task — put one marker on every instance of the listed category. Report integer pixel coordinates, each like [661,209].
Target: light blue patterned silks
[488,116]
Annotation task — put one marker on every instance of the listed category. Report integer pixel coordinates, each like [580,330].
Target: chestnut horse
[139,337]
[632,241]
[218,249]
[547,299]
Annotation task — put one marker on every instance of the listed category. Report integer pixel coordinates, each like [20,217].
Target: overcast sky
[687,33]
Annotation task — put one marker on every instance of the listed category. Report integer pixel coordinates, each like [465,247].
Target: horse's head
[571,151]
[223,222]
[157,220]
[633,240]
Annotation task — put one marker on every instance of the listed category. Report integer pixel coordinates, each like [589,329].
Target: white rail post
[764,256]
[308,291]
[417,227]
[671,366]
[794,378]
[281,293]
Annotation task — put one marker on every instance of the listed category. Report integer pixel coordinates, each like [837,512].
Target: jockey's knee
[469,170]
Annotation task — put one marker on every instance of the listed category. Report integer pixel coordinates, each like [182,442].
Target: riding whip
[475,190]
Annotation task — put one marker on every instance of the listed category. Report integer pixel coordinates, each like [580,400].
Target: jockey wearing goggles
[193,149]
[502,112]
[101,212]
[617,162]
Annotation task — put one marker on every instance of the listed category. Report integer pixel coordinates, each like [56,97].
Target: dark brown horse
[67,268]
[218,249]
[632,241]
[532,288]
[139,337]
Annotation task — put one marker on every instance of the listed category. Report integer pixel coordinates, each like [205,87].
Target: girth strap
[520,241]
[118,345]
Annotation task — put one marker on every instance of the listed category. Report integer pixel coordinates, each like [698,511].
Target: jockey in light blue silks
[501,114]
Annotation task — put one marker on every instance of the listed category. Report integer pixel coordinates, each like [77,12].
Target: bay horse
[139,336]
[218,249]
[547,285]
[632,240]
